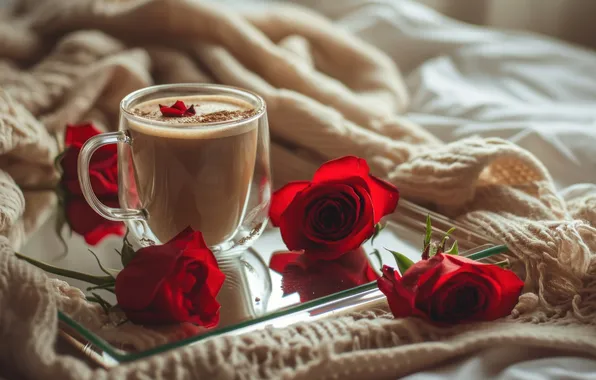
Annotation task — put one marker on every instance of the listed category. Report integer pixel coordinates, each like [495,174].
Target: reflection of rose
[174,282]
[312,278]
[103,171]
[451,289]
[335,212]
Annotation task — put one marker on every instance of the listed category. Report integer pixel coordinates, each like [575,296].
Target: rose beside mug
[212,175]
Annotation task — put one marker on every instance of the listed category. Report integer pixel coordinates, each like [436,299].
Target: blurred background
[571,20]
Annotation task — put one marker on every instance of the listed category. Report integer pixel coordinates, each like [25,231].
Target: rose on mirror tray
[323,223]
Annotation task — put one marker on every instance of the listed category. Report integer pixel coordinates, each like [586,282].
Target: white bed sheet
[466,80]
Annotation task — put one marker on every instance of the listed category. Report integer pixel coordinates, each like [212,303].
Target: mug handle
[90,146]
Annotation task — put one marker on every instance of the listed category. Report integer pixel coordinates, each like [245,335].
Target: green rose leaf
[402,261]
[445,238]
[454,249]
[429,231]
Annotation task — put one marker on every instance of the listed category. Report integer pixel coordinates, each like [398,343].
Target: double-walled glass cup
[210,175]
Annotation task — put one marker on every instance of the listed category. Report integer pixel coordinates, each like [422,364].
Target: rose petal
[297,233]
[280,260]
[481,273]
[399,298]
[103,171]
[207,259]
[420,273]
[281,199]
[207,311]
[102,158]
[384,195]
[147,270]
[461,260]
[178,109]
[447,306]
[77,134]
[170,299]
[170,112]
[341,168]
[101,231]
[83,220]
[371,274]
[510,288]
[179,105]
[312,279]
[190,111]
[207,306]
[333,219]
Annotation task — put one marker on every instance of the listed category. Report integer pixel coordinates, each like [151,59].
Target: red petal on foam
[190,111]
[178,109]
[179,105]
[170,111]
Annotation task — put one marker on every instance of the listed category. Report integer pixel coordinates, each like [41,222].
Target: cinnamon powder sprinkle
[213,117]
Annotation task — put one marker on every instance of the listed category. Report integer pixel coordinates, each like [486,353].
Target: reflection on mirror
[312,278]
[264,280]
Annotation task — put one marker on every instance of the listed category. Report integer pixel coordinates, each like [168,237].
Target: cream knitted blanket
[328,94]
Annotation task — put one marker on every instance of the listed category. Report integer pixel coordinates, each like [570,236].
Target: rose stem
[95,280]
[504,264]
[496,250]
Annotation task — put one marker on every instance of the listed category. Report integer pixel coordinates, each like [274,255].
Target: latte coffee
[196,170]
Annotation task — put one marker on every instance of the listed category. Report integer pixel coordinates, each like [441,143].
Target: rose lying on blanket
[174,282]
[103,171]
[451,289]
[312,278]
[335,212]
[446,288]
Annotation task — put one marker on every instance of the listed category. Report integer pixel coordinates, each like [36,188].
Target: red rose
[335,212]
[312,278]
[451,289]
[174,282]
[104,163]
[89,224]
[104,180]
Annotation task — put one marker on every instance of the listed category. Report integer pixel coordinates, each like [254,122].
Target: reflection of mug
[208,169]
[234,297]
[247,288]
[313,279]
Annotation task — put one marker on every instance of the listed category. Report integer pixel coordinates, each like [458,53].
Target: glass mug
[213,176]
